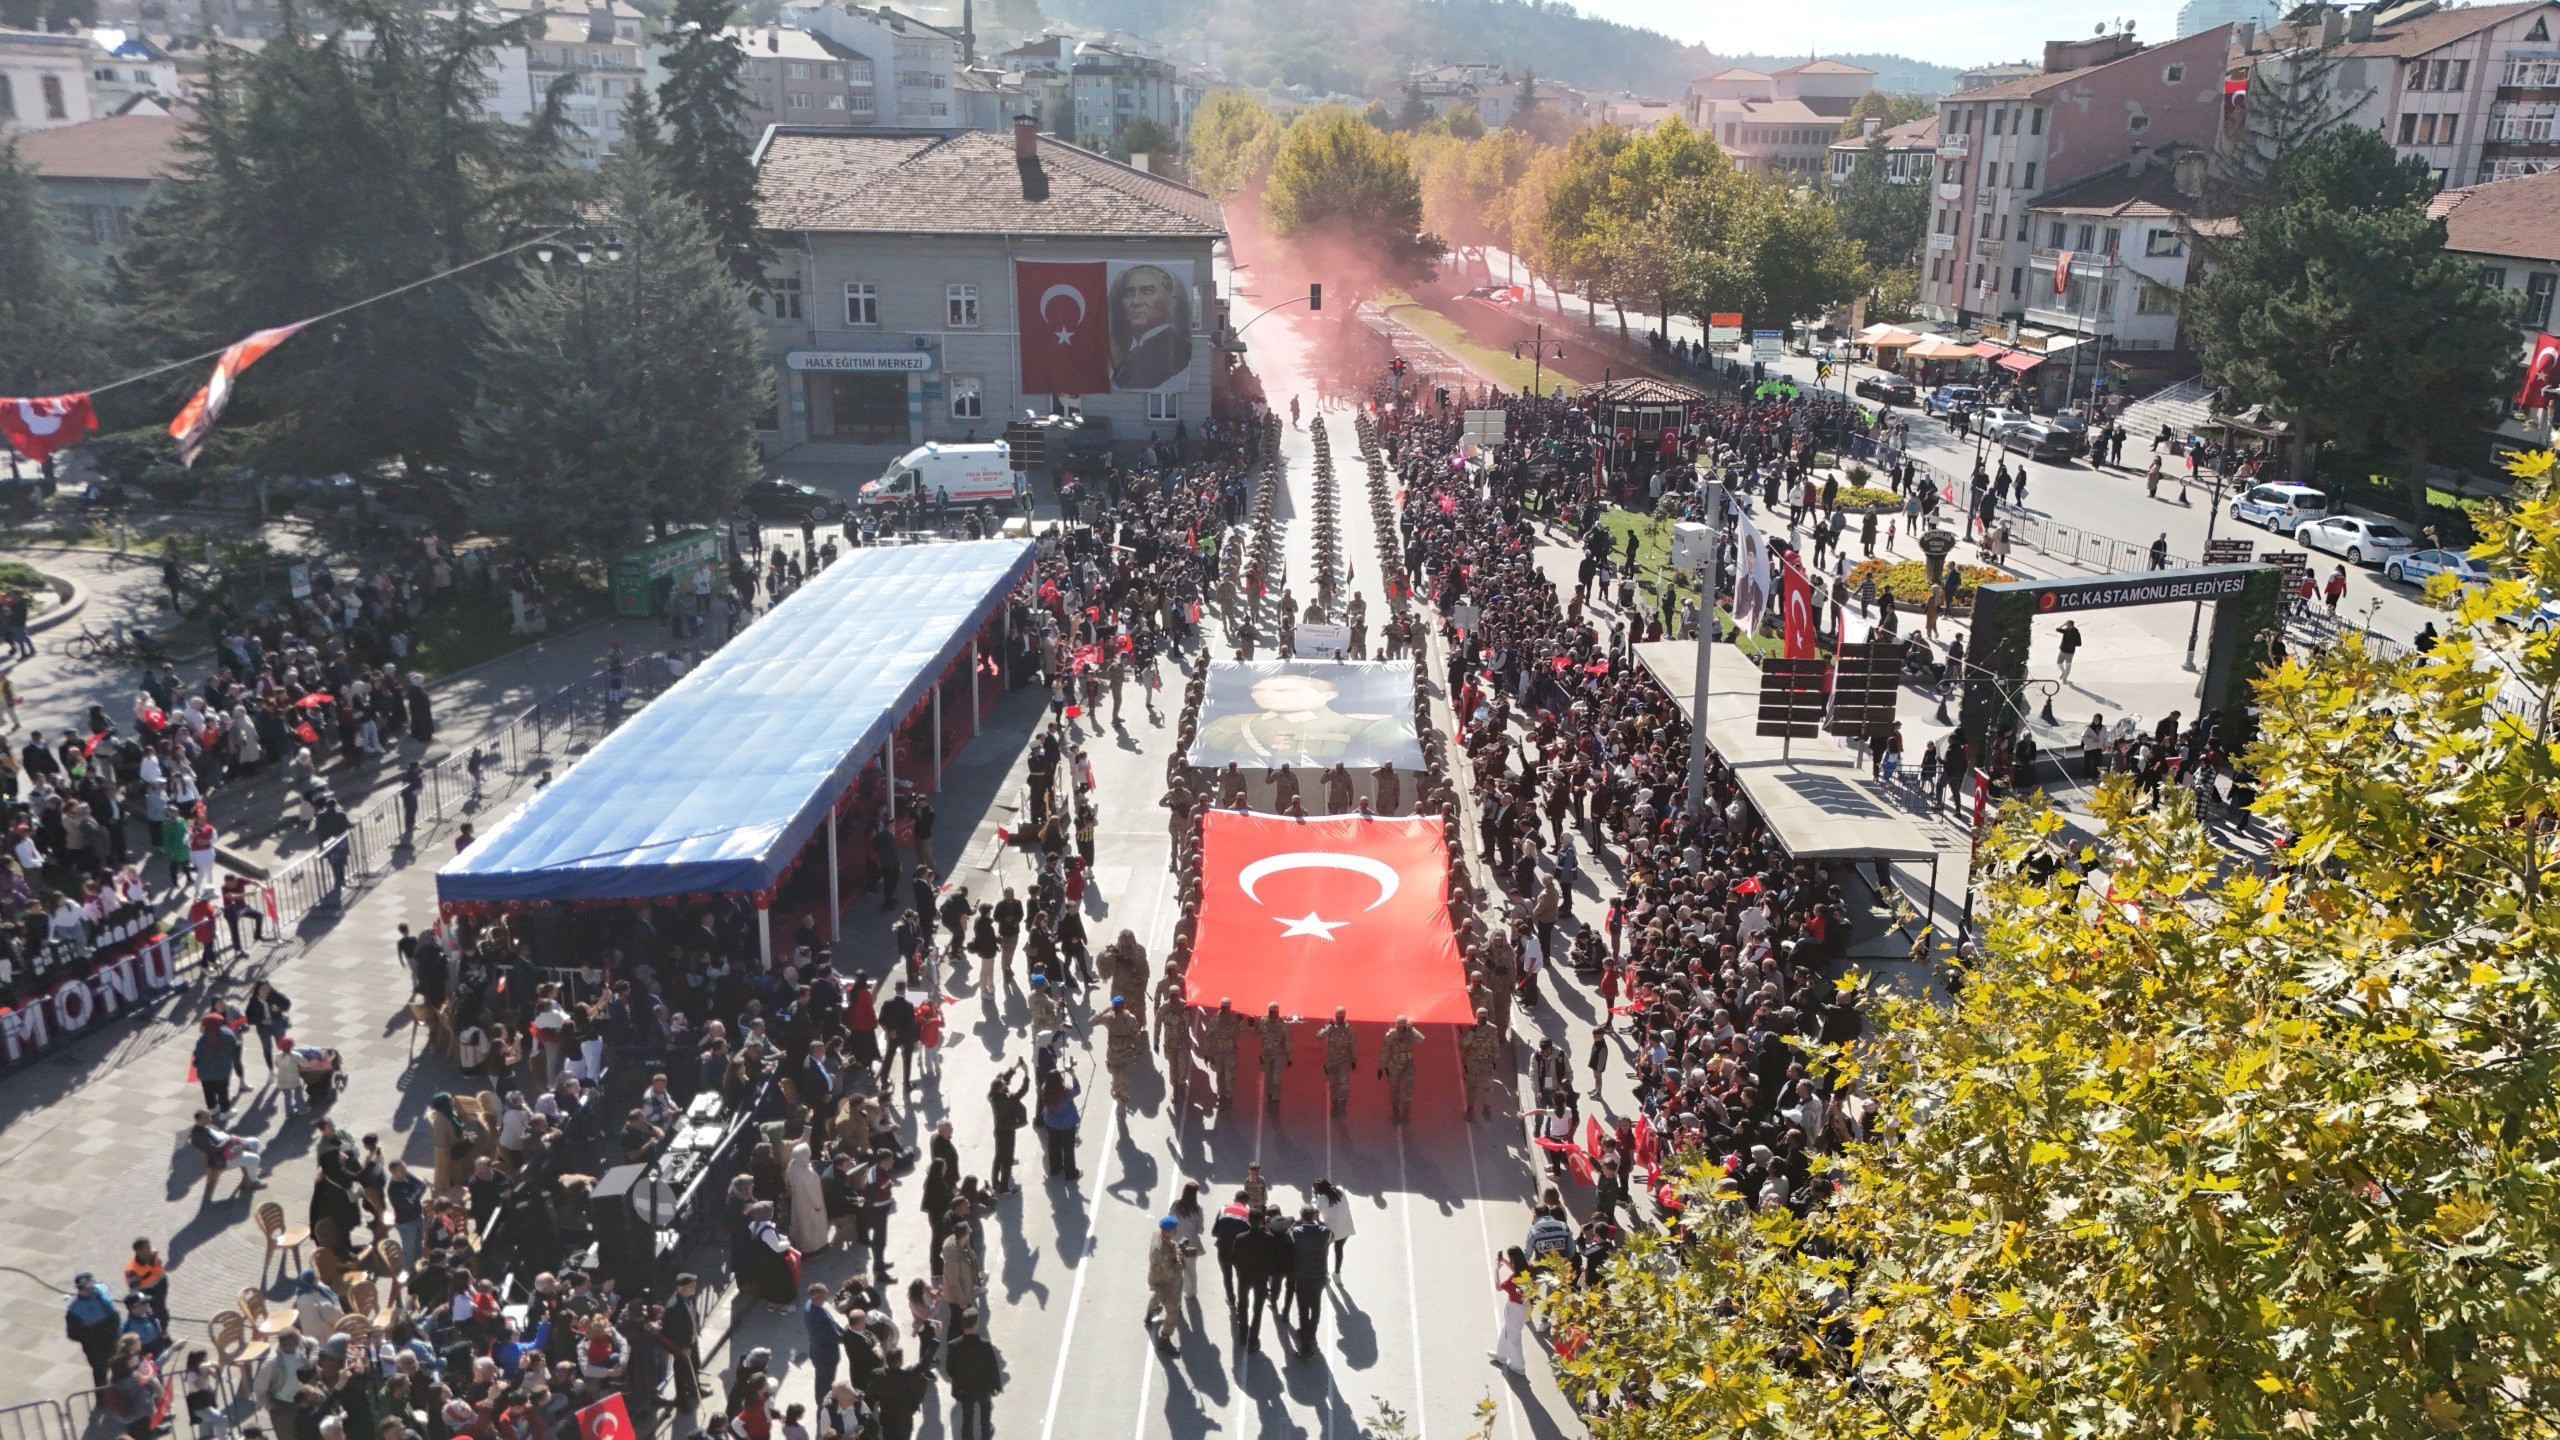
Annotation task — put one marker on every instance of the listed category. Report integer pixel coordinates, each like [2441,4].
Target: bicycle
[116,643]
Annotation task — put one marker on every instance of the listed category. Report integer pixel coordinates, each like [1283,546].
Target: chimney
[1867,128]
[2333,28]
[2140,162]
[599,22]
[2360,25]
[773,38]
[2243,35]
[1026,158]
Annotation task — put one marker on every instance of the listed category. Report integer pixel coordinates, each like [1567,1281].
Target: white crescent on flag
[1378,870]
[1066,335]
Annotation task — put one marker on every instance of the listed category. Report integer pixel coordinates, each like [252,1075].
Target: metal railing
[35,1420]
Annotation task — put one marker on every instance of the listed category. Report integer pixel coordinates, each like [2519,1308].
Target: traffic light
[1442,394]
[1396,367]
[1315,296]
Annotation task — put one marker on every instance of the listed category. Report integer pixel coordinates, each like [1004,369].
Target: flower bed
[1907,581]
[1859,499]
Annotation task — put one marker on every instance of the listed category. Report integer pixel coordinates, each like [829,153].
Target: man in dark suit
[1150,329]
[683,1331]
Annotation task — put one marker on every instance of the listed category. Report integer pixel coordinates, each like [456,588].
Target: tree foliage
[321,170]
[2338,306]
[620,396]
[46,308]
[709,159]
[1341,184]
[1887,110]
[1232,143]
[1887,220]
[2202,1148]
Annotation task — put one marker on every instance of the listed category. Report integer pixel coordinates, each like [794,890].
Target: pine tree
[46,309]
[323,170]
[708,157]
[641,137]
[619,397]
[1524,106]
[1889,220]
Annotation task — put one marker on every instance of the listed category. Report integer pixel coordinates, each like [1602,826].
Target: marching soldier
[1476,1053]
[1502,972]
[1173,1038]
[1218,1040]
[1126,1047]
[1178,802]
[1395,1066]
[1337,790]
[1275,1054]
[1165,1263]
[1231,788]
[1341,1056]
[1390,790]
[1124,969]
[1284,787]
[1045,1013]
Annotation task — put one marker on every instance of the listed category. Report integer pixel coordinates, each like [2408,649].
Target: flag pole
[1706,648]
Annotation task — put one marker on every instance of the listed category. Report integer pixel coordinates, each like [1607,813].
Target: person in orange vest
[147,1275]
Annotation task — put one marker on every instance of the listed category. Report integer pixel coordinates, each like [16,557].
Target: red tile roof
[120,147]
[2519,217]
[942,183]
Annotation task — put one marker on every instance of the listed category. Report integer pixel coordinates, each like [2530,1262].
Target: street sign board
[1791,698]
[2286,559]
[1028,444]
[1766,344]
[1724,327]
[1937,543]
[1485,427]
[2229,552]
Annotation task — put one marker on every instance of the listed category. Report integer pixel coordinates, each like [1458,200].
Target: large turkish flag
[1803,639]
[38,425]
[1319,913]
[1062,313]
[607,1419]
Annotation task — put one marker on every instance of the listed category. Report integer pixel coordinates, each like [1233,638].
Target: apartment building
[1780,123]
[793,77]
[913,65]
[99,173]
[1910,151]
[2473,90]
[2108,256]
[596,48]
[44,79]
[2093,106]
[1109,89]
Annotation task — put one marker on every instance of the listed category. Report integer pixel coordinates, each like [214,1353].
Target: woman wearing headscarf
[766,1265]
[454,1143]
[807,1194]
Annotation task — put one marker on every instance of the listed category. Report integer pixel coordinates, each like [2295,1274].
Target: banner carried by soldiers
[1315,915]
[1263,714]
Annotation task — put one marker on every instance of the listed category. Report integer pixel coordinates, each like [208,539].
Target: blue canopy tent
[717,784]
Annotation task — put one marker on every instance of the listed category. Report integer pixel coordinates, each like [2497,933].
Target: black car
[776,499]
[1891,389]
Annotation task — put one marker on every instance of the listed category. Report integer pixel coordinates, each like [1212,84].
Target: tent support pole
[764,933]
[937,739]
[835,881]
[977,708]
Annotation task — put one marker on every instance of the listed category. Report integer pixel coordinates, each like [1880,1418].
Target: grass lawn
[1653,570]
[1449,335]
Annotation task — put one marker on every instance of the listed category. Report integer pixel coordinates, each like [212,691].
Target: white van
[2281,508]
[969,474]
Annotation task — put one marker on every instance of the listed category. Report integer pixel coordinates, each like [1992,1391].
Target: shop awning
[1989,349]
[2020,361]
[1887,337]
[716,785]
[1931,347]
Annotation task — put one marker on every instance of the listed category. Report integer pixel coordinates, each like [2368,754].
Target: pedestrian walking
[1511,1278]
[977,1377]
[2070,646]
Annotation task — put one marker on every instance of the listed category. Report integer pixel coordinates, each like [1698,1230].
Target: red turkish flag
[1062,312]
[38,426]
[1801,643]
[195,421]
[607,1419]
[2541,373]
[2062,272]
[1319,913]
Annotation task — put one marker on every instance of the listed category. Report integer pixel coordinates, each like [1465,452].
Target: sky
[1948,32]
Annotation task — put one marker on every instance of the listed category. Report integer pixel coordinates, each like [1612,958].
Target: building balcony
[2083,262]
[1985,246]
[2092,322]
[2520,149]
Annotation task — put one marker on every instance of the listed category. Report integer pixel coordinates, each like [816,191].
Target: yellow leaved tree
[2206,1147]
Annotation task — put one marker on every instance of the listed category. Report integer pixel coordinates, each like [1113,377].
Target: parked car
[774,498]
[2280,507]
[2537,619]
[1993,421]
[1890,389]
[2356,538]
[1948,399]
[2074,427]
[2420,566]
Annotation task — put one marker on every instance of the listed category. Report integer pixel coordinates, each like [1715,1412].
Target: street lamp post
[2212,513]
[1537,359]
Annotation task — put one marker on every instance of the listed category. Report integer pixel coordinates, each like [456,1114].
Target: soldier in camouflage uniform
[1337,790]
[1045,1014]
[1218,1042]
[1126,1049]
[1173,1038]
[1395,1066]
[1179,802]
[1165,1267]
[1477,1049]
[1341,1057]
[1275,1054]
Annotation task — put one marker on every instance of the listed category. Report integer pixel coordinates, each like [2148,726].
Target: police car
[2281,508]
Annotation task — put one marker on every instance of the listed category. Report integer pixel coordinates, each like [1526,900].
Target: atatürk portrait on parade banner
[1150,325]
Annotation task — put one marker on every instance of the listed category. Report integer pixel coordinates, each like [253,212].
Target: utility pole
[1713,581]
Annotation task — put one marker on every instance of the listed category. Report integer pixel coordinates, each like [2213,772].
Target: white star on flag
[1066,337]
[1309,924]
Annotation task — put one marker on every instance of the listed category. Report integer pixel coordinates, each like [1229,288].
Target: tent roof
[1933,347]
[1815,799]
[717,784]
[1886,336]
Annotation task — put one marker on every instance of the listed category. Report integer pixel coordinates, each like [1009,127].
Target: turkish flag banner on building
[195,422]
[1314,914]
[1802,640]
[2541,373]
[40,425]
[2062,272]
[1062,311]
[607,1419]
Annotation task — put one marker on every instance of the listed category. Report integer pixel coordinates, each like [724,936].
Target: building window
[2137,123]
[781,299]
[2017,280]
[2461,75]
[2155,300]
[801,100]
[53,105]
[2113,239]
[2173,75]
[2528,124]
[2035,121]
[960,305]
[8,99]
[2162,243]
[2408,129]
[1165,406]
[2031,175]
[2107,298]
[2088,237]
[835,102]
[2058,236]
[2534,73]
[861,303]
[1999,118]
[795,70]
[968,398]
[2537,297]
